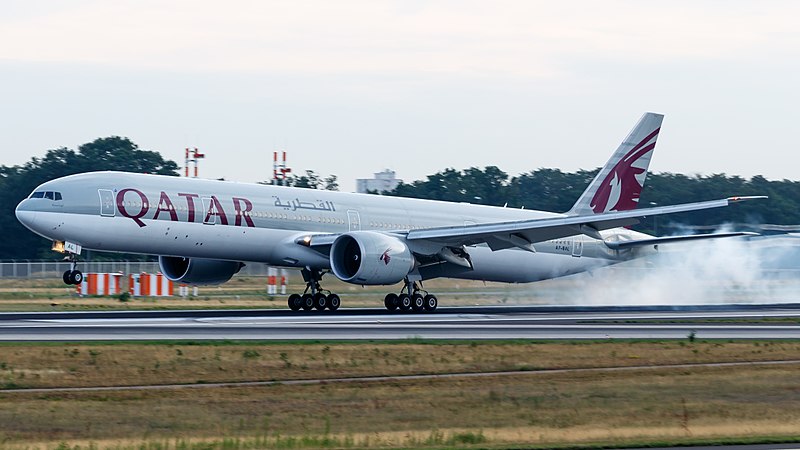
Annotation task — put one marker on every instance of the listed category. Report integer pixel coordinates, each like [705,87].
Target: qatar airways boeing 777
[203,231]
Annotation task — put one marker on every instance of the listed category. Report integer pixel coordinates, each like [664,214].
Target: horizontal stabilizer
[619,245]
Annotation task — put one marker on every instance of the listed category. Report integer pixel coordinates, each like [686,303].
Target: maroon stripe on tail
[625,174]
[645,140]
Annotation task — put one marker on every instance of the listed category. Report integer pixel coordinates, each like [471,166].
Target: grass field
[662,406]
[75,365]
[745,403]
[250,292]
[50,294]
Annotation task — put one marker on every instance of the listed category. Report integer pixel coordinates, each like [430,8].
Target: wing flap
[619,245]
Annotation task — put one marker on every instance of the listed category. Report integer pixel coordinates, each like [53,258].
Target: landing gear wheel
[334,302]
[431,302]
[320,301]
[307,302]
[404,302]
[295,302]
[66,277]
[417,303]
[391,302]
[314,296]
[75,277]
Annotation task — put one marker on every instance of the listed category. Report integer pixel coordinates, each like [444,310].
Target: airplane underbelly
[515,266]
[197,240]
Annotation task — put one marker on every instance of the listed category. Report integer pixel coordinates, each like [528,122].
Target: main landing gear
[73,276]
[411,298]
[414,299]
[314,297]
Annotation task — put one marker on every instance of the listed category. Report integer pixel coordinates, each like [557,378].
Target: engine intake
[198,270]
[367,257]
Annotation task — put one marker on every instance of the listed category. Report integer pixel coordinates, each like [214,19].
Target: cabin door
[354,220]
[209,211]
[577,246]
[106,202]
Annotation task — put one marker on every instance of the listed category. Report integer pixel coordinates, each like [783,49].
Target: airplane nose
[25,215]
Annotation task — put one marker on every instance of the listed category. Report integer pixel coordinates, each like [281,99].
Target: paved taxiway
[716,322]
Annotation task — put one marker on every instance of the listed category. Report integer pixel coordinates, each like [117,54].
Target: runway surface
[706,322]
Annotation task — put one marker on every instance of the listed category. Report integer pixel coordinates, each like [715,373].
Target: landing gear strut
[314,297]
[73,276]
[411,298]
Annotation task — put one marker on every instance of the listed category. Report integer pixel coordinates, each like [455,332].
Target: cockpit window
[50,195]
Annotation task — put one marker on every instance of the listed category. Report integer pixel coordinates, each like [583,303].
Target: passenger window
[58,196]
[48,195]
[39,194]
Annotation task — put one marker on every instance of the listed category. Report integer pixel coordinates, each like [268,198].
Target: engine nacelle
[367,257]
[198,270]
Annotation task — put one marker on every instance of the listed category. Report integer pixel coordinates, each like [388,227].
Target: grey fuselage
[196,218]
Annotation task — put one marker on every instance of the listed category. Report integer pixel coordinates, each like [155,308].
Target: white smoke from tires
[718,271]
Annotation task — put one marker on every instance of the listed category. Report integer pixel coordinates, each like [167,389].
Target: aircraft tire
[76,277]
[307,302]
[404,302]
[417,303]
[391,301]
[295,302]
[320,301]
[334,302]
[66,277]
[431,302]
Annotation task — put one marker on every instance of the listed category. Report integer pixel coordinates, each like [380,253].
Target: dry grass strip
[615,407]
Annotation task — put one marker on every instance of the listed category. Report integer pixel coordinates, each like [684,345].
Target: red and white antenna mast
[192,156]
[279,169]
[197,156]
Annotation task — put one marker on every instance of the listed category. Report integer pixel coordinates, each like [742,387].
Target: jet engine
[367,257]
[198,270]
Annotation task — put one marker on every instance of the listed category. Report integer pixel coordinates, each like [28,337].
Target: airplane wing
[619,245]
[524,233]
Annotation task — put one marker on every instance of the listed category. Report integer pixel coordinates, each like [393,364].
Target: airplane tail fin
[618,184]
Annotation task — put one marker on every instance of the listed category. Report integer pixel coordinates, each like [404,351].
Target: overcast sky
[353,87]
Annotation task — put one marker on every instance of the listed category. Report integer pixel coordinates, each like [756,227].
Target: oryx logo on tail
[622,186]
[618,184]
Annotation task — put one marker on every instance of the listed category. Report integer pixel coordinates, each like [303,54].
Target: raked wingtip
[745,198]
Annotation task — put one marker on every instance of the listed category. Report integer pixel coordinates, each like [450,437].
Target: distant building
[383,181]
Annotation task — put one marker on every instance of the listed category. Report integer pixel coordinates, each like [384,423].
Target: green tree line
[556,191]
[310,180]
[17,182]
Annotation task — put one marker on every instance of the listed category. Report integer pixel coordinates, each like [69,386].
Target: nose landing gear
[73,276]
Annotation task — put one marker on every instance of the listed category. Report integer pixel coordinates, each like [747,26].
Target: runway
[538,323]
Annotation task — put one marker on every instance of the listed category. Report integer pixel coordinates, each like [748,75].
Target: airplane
[203,231]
